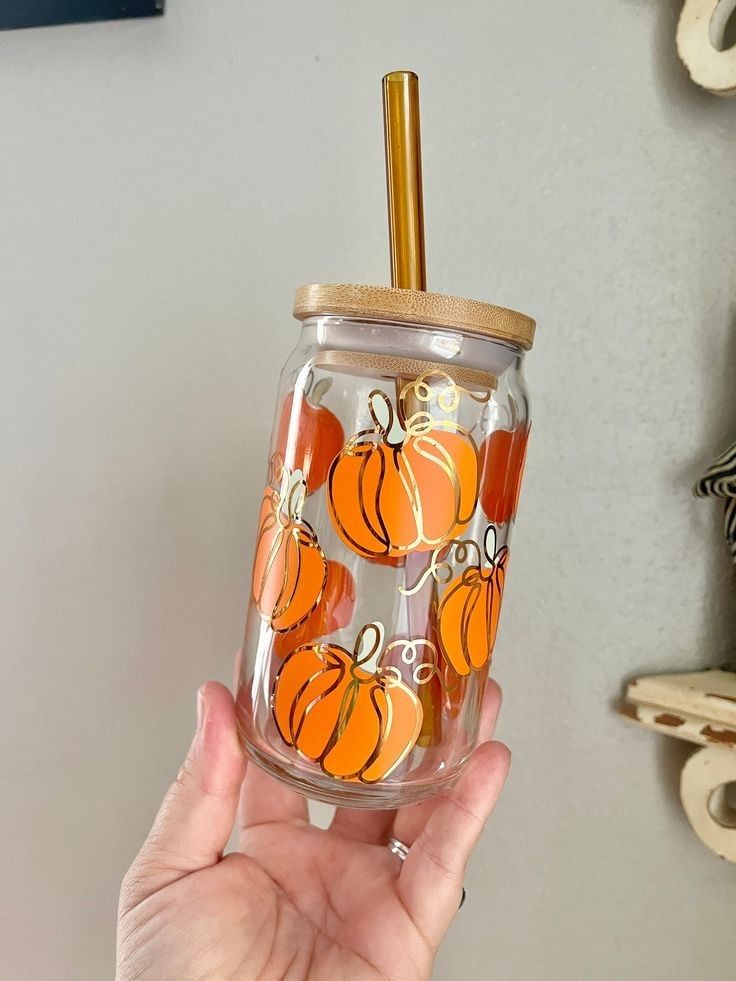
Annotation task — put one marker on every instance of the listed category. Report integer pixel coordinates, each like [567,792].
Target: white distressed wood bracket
[699,707]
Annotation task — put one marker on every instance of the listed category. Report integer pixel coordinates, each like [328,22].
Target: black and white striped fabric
[719,480]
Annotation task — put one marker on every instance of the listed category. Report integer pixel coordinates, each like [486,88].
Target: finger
[489,711]
[430,883]
[410,820]
[237,667]
[263,799]
[368,826]
[194,822]
[266,800]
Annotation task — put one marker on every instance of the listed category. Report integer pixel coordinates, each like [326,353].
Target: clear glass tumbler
[383,542]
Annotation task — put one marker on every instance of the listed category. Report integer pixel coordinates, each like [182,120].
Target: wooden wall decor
[699,707]
[702,21]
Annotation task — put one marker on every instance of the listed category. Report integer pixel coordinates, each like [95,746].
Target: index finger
[431,880]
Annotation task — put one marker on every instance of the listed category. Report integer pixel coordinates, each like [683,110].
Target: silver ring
[400,850]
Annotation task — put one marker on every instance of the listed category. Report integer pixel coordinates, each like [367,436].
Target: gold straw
[404,180]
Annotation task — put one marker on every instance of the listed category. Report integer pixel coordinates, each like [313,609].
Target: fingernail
[200,708]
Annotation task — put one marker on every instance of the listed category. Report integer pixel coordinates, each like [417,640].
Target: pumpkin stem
[489,544]
[319,390]
[369,643]
[496,558]
[294,494]
[385,418]
[283,478]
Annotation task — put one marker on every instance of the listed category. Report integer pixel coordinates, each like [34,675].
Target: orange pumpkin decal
[502,458]
[333,612]
[290,569]
[356,723]
[405,485]
[467,615]
[317,438]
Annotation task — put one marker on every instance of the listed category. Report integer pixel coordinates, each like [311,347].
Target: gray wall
[163,188]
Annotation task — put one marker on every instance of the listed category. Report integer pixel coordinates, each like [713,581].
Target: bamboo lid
[414,307]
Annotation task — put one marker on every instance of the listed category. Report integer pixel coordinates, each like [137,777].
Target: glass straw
[404,180]
[406,245]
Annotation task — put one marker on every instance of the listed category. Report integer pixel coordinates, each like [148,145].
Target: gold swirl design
[422,672]
[448,399]
[440,567]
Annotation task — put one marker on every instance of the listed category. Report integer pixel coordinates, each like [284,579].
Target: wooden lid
[414,307]
[390,366]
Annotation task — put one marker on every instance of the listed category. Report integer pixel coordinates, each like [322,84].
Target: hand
[295,901]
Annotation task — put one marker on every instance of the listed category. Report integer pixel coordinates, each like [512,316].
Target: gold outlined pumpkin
[407,484]
[357,724]
[468,612]
[467,608]
[290,569]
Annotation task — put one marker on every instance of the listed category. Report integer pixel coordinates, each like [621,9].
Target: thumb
[196,817]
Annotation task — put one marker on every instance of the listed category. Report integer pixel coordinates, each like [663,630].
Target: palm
[344,897]
[296,900]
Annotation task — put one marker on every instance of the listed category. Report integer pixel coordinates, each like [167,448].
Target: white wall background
[164,186]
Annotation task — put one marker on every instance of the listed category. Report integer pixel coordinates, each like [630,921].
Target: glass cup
[383,542]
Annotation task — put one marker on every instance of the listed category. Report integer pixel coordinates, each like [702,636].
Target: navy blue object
[41,13]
